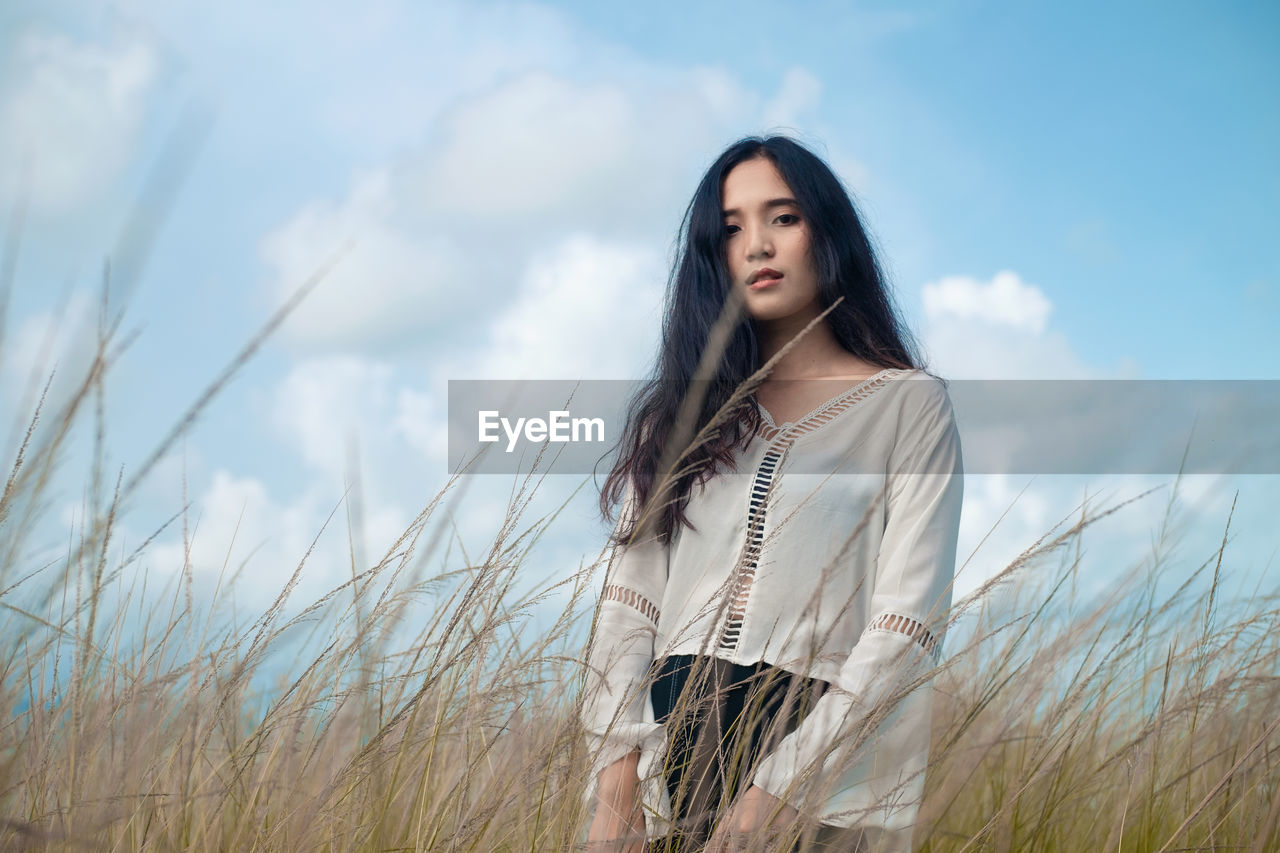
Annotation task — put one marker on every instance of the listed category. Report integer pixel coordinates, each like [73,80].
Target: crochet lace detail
[785,435]
[825,413]
[755,540]
[912,628]
[631,598]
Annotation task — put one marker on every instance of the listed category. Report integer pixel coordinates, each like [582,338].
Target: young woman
[791,484]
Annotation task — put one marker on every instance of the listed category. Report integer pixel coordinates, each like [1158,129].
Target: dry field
[140,719]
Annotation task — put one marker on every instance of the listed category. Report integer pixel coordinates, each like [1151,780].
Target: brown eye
[791,216]
[730,230]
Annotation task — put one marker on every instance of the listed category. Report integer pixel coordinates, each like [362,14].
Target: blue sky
[1084,191]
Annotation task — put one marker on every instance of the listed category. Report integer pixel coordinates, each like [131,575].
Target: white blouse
[829,552]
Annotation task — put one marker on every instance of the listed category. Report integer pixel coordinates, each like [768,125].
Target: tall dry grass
[1144,720]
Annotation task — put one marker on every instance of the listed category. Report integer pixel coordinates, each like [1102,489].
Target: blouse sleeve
[910,600]
[616,711]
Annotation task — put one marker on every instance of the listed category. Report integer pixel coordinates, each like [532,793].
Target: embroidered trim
[826,412]
[633,599]
[781,439]
[899,624]
[755,540]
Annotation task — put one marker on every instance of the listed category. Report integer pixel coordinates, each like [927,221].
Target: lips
[764,277]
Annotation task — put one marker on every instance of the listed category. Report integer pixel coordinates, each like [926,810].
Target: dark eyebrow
[773,202]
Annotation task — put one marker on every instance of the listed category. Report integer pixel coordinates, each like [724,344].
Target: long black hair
[865,323]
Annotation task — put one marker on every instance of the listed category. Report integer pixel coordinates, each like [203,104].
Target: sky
[1089,191]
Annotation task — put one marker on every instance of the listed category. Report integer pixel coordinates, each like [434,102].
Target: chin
[769,316]
[767,310]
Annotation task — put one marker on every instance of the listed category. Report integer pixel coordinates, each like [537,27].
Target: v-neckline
[817,411]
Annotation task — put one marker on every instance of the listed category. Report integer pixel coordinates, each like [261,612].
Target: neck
[816,354]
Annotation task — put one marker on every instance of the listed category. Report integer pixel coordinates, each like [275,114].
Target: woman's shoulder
[919,392]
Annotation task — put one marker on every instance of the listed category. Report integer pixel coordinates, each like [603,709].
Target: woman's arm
[616,711]
[911,595]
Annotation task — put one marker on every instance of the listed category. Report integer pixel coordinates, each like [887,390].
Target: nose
[759,245]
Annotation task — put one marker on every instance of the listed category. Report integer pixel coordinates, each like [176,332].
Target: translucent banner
[1005,426]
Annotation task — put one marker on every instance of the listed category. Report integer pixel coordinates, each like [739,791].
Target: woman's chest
[810,490]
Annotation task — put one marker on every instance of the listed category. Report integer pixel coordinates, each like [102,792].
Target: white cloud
[327,407]
[388,282]
[371,82]
[586,309]
[536,143]
[998,329]
[975,350]
[543,144]
[235,518]
[326,403]
[70,113]
[237,522]
[1032,506]
[420,422]
[60,341]
[1003,301]
[986,499]
[443,237]
[1126,544]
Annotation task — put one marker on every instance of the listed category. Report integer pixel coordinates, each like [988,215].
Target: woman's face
[767,245]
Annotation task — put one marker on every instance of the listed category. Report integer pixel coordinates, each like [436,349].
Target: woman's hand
[756,813]
[618,825]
